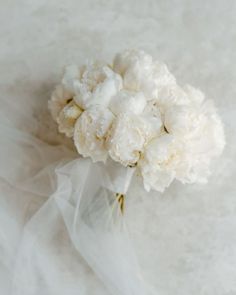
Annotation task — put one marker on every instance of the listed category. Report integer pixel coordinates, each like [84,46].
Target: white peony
[90,133]
[198,123]
[129,59]
[67,118]
[206,142]
[129,135]
[184,120]
[140,73]
[95,84]
[60,97]
[128,101]
[160,162]
[171,95]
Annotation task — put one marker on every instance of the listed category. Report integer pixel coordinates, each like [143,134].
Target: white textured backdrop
[193,227]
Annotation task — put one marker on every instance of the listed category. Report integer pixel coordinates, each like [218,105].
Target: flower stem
[121,201]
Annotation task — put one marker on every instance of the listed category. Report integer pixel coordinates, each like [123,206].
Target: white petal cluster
[134,112]
[129,135]
[90,132]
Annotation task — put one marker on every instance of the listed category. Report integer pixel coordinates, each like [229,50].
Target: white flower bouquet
[90,219]
[135,113]
[131,122]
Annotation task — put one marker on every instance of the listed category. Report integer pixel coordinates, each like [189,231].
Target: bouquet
[134,113]
[132,125]
[86,214]
[135,130]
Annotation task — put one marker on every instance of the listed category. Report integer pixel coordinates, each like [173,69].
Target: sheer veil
[62,224]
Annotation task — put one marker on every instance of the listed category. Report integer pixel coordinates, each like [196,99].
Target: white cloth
[184,239]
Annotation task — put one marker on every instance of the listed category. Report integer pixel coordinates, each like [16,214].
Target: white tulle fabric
[49,194]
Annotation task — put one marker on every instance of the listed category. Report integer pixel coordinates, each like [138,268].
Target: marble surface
[197,39]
